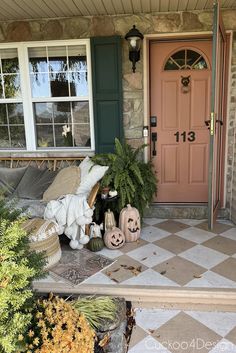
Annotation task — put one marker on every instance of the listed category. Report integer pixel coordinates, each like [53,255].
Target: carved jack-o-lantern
[114,238]
[130,223]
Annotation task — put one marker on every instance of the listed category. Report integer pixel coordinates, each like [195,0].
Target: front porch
[176,262]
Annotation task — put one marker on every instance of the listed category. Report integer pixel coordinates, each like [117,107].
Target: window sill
[45,154]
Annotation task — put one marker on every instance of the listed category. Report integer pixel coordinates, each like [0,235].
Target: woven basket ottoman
[43,237]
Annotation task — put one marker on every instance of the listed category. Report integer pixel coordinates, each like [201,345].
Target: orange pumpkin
[114,238]
[129,223]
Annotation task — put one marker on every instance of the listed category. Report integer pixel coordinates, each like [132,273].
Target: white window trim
[30,129]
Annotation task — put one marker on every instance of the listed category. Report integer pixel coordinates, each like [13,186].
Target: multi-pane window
[55,107]
[12,131]
[186,59]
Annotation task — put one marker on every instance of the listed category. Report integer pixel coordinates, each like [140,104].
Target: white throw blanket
[71,213]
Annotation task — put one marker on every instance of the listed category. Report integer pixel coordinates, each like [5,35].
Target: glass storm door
[216,116]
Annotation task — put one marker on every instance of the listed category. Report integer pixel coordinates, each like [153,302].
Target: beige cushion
[66,182]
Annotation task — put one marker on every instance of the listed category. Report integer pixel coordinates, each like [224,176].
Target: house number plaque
[184,136]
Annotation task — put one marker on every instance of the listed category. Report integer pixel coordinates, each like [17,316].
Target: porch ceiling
[32,9]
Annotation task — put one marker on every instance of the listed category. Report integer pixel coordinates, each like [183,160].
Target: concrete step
[151,295]
[191,211]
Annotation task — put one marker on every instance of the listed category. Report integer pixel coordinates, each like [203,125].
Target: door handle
[154,139]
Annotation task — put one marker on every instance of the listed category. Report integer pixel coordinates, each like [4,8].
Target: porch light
[134,37]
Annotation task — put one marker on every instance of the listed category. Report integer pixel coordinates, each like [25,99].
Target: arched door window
[186,59]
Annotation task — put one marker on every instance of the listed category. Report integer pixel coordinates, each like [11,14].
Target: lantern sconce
[134,37]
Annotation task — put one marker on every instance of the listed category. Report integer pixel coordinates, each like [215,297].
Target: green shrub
[18,268]
[133,179]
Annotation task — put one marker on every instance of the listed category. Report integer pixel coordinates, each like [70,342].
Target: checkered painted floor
[176,331]
[173,253]
[178,253]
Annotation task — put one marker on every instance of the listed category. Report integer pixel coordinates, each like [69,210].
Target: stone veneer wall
[85,27]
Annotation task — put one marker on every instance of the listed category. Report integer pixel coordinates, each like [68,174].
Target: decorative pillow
[90,174]
[10,178]
[34,182]
[66,182]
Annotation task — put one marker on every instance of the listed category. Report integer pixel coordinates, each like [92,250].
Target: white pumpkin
[129,223]
[114,238]
[109,220]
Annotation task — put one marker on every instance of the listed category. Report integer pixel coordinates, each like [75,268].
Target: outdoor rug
[75,266]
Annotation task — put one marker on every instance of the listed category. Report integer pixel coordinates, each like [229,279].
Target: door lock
[153,121]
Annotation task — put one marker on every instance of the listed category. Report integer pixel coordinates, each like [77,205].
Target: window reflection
[58,71]
[62,124]
[12,130]
[185,60]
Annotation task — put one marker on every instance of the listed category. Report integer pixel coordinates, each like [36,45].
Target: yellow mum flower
[36,341]
[20,337]
[31,333]
[39,315]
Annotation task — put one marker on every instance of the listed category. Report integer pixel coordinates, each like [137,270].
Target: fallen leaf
[125,266]
[131,268]
[154,253]
[118,269]
[104,342]
[162,272]
[197,276]
[115,280]
[108,274]
[151,331]
[145,258]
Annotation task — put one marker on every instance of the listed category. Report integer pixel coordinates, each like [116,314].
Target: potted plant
[134,180]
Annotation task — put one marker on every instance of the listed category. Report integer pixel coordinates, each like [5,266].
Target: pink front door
[180,87]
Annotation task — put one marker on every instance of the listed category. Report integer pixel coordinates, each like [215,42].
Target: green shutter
[107,91]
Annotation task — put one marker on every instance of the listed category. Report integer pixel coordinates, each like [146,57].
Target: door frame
[146,89]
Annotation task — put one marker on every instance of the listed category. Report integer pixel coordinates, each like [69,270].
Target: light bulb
[133,43]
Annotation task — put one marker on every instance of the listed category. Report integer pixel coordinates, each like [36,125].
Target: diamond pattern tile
[224,346]
[151,233]
[231,234]
[150,255]
[172,226]
[175,244]
[217,227]
[222,244]
[179,270]
[170,331]
[204,256]
[134,245]
[179,252]
[150,278]
[232,335]
[196,235]
[220,322]
[124,268]
[138,334]
[227,269]
[211,279]
[184,338]
[153,221]
[153,319]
